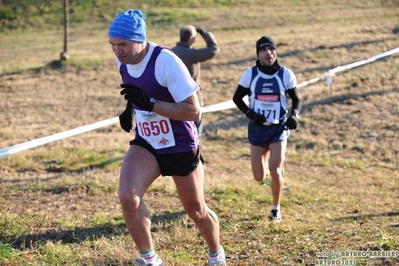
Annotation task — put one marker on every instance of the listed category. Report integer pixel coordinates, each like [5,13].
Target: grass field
[59,203]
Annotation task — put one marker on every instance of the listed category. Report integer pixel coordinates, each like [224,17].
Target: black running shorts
[180,164]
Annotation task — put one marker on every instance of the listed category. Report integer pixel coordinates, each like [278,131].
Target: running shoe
[142,262]
[221,261]
[218,263]
[275,216]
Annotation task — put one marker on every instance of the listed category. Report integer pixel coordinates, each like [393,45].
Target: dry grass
[59,202]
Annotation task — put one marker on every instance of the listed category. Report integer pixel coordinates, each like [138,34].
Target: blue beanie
[129,25]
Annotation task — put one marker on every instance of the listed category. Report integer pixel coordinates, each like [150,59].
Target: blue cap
[129,25]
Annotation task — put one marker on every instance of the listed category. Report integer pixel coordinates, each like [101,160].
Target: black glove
[256,118]
[125,118]
[200,31]
[137,96]
[292,121]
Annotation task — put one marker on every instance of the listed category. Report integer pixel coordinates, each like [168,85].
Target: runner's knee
[276,172]
[194,212]
[128,199]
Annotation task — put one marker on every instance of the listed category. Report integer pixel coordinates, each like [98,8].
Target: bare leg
[276,164]
[138,171]
[259,162]
[191,193]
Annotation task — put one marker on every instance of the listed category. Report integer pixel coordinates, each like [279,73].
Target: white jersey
[268,93]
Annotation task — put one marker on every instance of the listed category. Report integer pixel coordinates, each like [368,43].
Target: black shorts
[181,164]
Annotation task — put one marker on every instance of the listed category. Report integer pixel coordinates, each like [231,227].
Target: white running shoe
[221,261]
[275,216]
[142,262]
[218,263]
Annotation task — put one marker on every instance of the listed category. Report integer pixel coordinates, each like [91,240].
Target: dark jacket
[192,57]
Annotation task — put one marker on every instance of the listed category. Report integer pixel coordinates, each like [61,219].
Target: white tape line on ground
[206,109]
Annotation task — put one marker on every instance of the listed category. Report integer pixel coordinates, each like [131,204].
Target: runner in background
[267,85]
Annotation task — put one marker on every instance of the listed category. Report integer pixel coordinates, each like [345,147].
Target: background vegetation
[59,203]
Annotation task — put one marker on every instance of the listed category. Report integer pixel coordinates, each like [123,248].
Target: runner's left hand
[292,121]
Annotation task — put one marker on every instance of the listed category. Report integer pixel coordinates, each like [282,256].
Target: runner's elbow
[197,116]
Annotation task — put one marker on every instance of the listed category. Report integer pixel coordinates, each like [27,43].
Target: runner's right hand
[258,119]
[125,118]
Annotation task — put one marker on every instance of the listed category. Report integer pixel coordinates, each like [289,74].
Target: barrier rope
[206,109]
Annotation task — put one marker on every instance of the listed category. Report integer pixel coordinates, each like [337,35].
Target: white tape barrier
[328,75]
[57,136]
[206,109]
